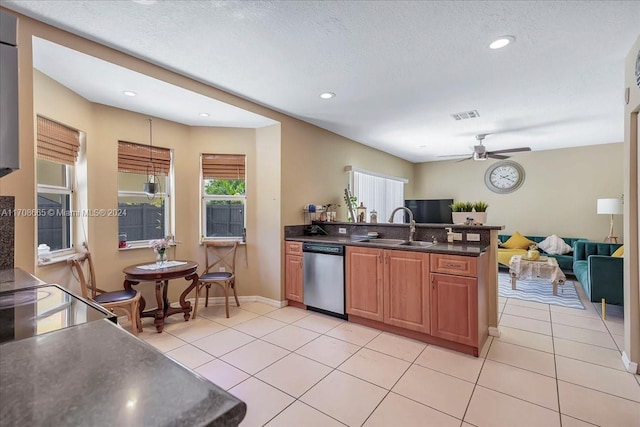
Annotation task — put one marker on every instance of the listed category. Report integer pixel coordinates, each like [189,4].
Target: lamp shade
[610,206]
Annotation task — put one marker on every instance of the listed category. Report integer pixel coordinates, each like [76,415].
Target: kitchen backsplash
[7,231]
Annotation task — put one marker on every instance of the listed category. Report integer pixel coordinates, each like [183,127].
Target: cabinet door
[364,280]
[406,290]
[454,308]
[293,278]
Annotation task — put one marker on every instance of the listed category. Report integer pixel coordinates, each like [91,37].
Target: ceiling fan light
[501,42]
[480,156]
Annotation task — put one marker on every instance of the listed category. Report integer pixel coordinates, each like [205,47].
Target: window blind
[223,166]
[139,158]
[57,142]
[379,193]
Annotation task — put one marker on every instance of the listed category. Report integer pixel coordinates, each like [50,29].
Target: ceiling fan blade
[462,160]
[497,156]
[511,150]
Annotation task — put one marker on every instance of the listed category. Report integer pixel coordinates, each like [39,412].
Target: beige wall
[290,164]
[313,162]
[558,195]
[632,212]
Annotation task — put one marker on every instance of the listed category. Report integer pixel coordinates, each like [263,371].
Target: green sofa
[565,262]
[599,273]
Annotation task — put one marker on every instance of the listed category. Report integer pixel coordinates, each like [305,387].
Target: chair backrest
[82,268]
[219,255]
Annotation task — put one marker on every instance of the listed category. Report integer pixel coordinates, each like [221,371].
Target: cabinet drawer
[293,248]
[454,264]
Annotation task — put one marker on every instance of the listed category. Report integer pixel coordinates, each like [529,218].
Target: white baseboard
[494,332]
[220,301]
[631,366]
[253,298]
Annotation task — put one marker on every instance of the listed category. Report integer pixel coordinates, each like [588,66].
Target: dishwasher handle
[321,248]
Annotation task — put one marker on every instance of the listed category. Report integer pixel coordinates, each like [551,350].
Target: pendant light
[152,186]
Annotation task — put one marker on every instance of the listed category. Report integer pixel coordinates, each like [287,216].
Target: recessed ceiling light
[327,95]
[502,41]
[204,114]
[145,2]
[129,93]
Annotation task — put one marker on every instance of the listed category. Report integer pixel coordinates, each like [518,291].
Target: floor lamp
[610,207]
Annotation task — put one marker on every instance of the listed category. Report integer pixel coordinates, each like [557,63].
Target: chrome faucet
[412,223]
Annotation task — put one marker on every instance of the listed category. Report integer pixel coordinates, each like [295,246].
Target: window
[58,148]
[146,217]
[224,197]
[377,192]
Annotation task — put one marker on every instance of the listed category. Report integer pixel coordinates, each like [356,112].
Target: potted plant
[480,212]
[460,211]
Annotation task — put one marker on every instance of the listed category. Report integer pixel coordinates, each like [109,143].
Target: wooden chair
[127,301]
[220,261]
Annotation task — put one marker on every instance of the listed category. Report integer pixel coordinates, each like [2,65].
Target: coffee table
[546,268]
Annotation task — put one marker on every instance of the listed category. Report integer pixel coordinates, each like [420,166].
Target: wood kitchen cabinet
[406,290]
[293,272]
[363,282]
[454,308]
[389,286]
[458,305]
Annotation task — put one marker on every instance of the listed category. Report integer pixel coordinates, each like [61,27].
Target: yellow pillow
[619,252]
[518,241]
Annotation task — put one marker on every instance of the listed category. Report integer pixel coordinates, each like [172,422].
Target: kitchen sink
[384,241]
[416,243]
[398,242]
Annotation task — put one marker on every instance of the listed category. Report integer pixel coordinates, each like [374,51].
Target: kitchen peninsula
[94,373]
[426,288]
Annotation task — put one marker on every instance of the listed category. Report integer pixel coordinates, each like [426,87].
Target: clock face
[504,177]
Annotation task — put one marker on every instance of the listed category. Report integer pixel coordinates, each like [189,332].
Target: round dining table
[134,274]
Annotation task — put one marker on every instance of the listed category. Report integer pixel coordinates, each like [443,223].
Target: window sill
[43,262]
[240,242]
[140,246]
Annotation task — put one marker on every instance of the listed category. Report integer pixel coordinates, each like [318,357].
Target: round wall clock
[504,177]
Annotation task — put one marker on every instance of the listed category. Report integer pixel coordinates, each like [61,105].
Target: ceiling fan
[480,151]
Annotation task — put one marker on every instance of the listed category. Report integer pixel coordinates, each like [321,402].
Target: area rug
[540,291]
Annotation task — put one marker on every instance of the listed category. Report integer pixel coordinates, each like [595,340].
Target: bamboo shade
[137,158]
[223,166]
[57,142]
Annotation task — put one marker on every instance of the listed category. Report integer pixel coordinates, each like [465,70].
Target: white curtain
[382,194]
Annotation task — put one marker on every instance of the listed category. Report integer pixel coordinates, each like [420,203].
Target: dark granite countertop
[14,278]
[440,247]
[97,374]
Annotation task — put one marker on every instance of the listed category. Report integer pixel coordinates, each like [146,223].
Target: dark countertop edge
[220,408]
[418,225]
[13,279]
[439,248]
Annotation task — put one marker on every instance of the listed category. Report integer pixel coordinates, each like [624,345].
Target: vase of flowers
[160,248]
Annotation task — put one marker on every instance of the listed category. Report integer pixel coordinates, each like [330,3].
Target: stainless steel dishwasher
[324,278]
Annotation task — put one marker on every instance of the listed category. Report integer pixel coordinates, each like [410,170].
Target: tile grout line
[555,368]
[475,385]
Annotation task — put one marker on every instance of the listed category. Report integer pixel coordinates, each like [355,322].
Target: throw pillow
[517,241]
[554,245]
[619,252]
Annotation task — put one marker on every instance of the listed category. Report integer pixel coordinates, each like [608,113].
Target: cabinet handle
[452,265]
[379,257]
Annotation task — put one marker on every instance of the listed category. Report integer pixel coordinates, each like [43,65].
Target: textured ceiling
[399,69]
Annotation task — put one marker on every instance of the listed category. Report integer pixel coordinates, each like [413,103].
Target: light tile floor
[552,366]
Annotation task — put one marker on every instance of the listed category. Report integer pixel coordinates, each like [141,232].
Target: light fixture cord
[150,143]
